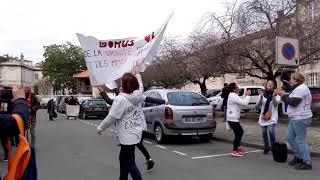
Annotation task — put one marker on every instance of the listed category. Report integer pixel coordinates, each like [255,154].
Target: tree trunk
[203,88]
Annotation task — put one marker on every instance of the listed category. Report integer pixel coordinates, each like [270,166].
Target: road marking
[162,147]
[181,153]
[148,142]
[219,155]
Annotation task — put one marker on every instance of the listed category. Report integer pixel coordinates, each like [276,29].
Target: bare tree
[168,69]
[201,59]
[248,33]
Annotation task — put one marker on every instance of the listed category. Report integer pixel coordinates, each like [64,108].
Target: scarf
[268,94]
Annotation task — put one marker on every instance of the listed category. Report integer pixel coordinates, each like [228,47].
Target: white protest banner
[108,60]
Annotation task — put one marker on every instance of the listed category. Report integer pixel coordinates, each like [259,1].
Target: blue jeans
[297,138]
[268,131]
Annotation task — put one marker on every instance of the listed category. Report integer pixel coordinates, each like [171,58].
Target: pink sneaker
[241,151]
[236,154]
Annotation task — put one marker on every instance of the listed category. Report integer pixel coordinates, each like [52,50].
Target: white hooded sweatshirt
[126,111]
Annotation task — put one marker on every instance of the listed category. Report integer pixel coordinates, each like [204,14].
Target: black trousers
[128,164]
[143,149]
[238,132]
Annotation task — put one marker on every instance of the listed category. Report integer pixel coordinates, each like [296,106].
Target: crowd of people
[299,113]
[127,115]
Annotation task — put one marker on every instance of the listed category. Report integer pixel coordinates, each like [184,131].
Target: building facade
[18,71]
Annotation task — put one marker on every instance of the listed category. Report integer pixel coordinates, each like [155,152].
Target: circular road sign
[288,51]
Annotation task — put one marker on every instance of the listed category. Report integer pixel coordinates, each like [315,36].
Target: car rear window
[97,102]
[186,99]
[315,90]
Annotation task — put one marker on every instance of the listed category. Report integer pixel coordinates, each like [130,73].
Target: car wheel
[206,137]
[160,136]
[84,116]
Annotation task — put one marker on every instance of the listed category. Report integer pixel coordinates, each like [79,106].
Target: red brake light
[316,98]
[168,114]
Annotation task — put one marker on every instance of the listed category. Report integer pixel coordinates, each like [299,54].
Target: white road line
[162,147]
[181,153]
[219,155]
[111,130]
[148,142]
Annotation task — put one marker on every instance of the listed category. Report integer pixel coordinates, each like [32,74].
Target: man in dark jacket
[51,110]
[8,125]
[225,93]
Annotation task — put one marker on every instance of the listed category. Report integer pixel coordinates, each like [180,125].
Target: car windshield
[315,90]
[212,94]
[181,98]
[97,102]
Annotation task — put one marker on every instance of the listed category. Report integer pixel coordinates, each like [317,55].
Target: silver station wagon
[185,113]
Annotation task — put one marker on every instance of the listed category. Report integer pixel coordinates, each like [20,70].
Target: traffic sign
[287,51]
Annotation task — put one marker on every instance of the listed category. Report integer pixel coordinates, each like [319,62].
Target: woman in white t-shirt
[233,116]
[268,101]
[126,112]
[300,117]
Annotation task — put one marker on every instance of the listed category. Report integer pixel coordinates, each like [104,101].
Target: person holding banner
[140,146]
[126,111]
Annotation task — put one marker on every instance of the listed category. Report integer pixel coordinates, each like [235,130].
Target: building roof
[83,74]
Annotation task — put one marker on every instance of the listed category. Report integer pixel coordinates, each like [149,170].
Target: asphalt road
[71,149]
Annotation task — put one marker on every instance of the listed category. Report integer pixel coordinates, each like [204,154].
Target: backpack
[279,152]
[20,159]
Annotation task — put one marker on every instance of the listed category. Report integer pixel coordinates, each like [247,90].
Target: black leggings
[128,164]
[143,149]
[238,132]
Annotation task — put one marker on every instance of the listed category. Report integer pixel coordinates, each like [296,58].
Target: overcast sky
[28,25]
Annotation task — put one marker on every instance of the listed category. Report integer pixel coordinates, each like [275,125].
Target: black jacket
[8,125]
[225,94]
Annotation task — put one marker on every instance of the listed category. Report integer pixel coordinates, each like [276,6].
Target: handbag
[267,116]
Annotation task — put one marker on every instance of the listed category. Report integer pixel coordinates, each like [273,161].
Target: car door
[149,111]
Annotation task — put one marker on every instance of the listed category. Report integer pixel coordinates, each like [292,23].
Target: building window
[36,76]
[314,79]
[311,10]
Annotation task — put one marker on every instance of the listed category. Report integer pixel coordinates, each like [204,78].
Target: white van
[217,100]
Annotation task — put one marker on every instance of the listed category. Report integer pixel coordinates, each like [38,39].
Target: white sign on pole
[287,51]
[108,60]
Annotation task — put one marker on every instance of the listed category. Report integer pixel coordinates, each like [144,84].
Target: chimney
[22,58]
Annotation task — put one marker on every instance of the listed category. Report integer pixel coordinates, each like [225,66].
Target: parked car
[212,92]
[315,106]
[93,107]
[217,100]
[186,113]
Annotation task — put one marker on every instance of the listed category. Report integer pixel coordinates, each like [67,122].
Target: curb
[258,146]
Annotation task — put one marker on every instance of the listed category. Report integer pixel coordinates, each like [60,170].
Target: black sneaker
[150,164]
[303,166]
[295,161]
[266,151]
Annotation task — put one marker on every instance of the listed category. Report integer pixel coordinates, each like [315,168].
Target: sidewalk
[252,134]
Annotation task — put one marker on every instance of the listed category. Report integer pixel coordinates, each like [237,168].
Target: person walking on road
[233,116]
[268,101]
[126,111]
[150,162]
[300,117]
[51,109]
